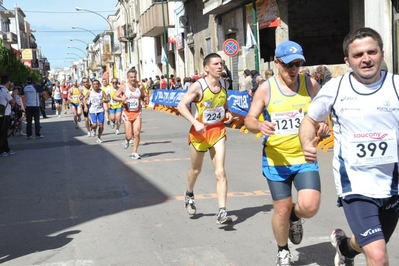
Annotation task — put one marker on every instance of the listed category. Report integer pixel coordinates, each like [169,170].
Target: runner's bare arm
[260,100]
[192,95]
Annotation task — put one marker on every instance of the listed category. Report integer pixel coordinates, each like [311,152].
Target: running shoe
[56,112]
[296,231]
[113,125]
[93,133]
[11,152]
[108,122]
[117,132]
[4,154]
[222,218]
[283,258]
[39,136]
[99,141]
[336,238]
[65,112]
[76,125]
[79,119]
[135,156]
[189,204]
[89,134]
[131,141]
[126,144]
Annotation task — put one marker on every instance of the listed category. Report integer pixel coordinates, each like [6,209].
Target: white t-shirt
[366,133]
[5,99]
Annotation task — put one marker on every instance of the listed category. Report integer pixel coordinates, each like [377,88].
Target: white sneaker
[117,132]
[222,218]
[59,116]
[56,112]
[131,141]
[89,134]
[283,258]
[135,156]
[336,238]
[189,204]
[93,133]
[113,125]
[99,141]
[126,144]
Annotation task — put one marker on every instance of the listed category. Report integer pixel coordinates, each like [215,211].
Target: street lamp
[74,27]
[87,44]
[76,55]
[78,49]
[112,31]
[95,36]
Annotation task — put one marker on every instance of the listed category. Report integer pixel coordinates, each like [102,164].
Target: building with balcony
[8,37]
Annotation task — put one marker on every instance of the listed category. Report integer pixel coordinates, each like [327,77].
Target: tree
[12,66]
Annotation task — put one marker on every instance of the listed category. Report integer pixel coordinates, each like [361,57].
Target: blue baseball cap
[289,51]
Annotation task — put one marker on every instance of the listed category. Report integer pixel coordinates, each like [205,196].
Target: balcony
[10,38]
[151,20]
[220,6]
[126,32]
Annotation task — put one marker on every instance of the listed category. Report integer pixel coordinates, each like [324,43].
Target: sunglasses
[291,64]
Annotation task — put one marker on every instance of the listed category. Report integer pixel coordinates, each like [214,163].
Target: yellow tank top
[105,88]
[75,95]
[210,109]
[85,92]
[287,111]
[114,104]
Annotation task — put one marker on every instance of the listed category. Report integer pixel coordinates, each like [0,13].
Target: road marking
[255,193]
[156,160]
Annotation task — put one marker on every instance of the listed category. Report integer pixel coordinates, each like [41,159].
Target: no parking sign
[231,47]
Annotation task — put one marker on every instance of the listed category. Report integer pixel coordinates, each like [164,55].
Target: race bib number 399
[287,122]
[373,148]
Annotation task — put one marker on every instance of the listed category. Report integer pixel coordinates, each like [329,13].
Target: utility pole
[255,24]
[165,38]
[17,29]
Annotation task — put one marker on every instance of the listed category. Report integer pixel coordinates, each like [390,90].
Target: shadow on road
[58,182]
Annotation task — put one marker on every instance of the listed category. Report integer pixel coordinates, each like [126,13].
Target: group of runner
[110,103]
[364,107]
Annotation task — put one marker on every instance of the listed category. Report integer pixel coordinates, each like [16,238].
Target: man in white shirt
[5,99]
[32,110]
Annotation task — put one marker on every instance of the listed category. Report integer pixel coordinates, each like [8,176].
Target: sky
[53,21]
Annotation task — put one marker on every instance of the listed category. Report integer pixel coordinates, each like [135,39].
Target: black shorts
[305,180]
[371,219]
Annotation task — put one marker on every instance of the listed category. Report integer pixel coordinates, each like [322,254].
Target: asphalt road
[67,201]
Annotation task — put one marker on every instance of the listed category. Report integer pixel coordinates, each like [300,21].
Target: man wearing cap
[32,109]
[283,100]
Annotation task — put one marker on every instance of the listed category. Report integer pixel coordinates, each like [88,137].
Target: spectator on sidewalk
[6,100]
[322,74]
[31,92]
[247,82]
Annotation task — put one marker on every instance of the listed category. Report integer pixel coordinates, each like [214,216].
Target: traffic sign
[231,47]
